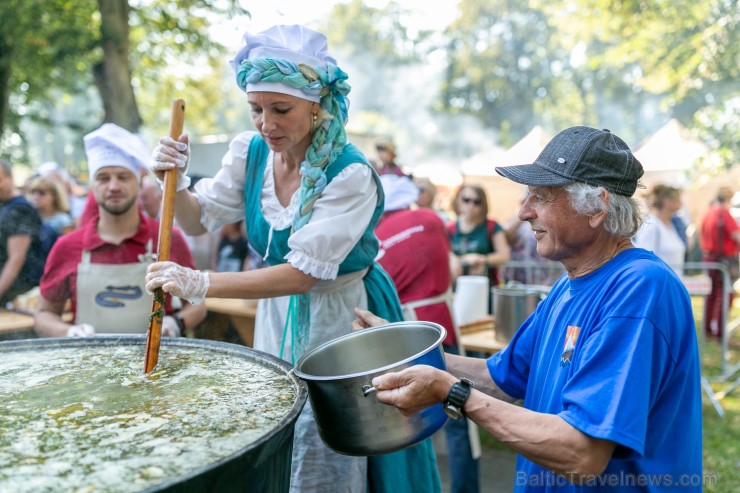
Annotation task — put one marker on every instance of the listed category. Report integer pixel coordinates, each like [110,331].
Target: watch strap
[459,393]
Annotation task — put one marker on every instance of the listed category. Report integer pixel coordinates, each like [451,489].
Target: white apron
[111,297]
[332,313]
[409,313]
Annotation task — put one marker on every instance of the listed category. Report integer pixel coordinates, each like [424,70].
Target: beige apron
[111,297]
[409,313]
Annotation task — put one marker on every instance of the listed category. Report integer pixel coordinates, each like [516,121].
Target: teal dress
[407,471]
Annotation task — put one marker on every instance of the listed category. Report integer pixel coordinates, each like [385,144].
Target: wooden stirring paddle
[154,333]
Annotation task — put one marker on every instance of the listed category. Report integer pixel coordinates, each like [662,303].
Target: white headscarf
[295,43]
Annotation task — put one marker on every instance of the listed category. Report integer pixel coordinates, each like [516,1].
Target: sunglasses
[468,200]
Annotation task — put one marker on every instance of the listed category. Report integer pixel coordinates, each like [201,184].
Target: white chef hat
[48,168]
[294,43]
[400,192]
[111,145]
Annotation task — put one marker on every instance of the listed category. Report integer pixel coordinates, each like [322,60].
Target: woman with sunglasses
[479,242]
[50,199]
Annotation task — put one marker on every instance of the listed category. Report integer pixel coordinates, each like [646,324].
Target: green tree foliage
[686,52]
[155,50]
[44,44]
[375,43]
[387,57]
[381,33]
[176,57]
[501,58]
[514,65]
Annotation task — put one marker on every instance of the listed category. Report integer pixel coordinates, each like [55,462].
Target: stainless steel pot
[512,305]
[339,373]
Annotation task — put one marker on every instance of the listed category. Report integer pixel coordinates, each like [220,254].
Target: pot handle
[368,389]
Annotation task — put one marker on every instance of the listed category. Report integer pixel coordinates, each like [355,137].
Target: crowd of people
[595,382]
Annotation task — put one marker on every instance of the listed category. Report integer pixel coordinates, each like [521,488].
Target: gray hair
[623,215]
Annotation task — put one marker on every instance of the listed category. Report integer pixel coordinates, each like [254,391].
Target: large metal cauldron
[261,466]
[339,374]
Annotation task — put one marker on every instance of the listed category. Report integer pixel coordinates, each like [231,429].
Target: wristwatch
[454,405]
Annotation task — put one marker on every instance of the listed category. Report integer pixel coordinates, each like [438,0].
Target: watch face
[452,411]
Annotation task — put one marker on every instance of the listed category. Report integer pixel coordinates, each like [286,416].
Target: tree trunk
[113,73]
[6,58]
[8,39]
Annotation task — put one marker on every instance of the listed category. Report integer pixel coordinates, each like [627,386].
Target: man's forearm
[545,439]
[49,324]
[476,370]
[192,315]
[48,319]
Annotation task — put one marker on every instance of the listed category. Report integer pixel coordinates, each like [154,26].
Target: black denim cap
[583,154]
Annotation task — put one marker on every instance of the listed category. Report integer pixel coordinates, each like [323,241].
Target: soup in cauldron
[87,419]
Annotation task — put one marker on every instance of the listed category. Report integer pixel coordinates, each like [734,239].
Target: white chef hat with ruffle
[111,145]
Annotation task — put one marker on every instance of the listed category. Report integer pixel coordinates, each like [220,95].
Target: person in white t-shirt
[658,233]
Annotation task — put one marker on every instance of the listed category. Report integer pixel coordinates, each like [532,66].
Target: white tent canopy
[523,152]
[440,174]
[670,148]
[669,154]
[482,163]
[527,149]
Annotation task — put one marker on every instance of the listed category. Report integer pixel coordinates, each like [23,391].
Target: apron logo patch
[113,295]
[570,345]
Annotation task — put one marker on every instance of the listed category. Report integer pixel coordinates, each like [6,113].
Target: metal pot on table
[339,373]
[513,304]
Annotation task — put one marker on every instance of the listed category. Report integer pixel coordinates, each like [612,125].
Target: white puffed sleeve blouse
[340,215]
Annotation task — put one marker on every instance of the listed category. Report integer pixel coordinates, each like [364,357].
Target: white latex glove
[169,154]
[170,328]
[177,280]
[81,330]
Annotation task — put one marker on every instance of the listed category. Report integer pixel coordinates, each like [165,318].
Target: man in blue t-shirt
[607,366]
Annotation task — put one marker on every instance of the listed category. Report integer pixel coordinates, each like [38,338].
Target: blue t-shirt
[614,354]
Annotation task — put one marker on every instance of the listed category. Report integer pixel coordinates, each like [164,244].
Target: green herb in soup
[86,419]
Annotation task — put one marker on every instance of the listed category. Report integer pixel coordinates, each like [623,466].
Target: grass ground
[721,433]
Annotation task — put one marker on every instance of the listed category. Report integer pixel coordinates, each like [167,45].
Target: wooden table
[241,313]
[482,337]
[19,325]
[14,322]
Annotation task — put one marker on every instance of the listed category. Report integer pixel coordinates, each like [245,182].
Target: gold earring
[315,119]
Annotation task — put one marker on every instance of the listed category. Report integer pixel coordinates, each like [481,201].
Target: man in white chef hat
[101,265]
